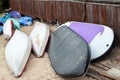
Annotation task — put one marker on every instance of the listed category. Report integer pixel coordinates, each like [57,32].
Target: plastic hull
[39,37]
[68,53]
[99,37]
[17,52]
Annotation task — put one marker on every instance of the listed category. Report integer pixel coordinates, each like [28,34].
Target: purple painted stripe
[86,30]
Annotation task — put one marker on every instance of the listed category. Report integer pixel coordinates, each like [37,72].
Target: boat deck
[106,68]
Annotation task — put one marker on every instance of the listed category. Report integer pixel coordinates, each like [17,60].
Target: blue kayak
[25,21]
[4,18]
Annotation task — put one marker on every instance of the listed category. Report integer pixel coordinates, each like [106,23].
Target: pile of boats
[72,45]
[19,47]
[15,19]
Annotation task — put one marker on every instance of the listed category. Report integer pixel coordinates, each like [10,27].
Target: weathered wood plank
[32,10]
[36,10]
[42,11]
[29,5]
[48,11]
[81,11]
[103,15]
[89,13]
[22,7]
[95,14]
[59,11]
[54,13]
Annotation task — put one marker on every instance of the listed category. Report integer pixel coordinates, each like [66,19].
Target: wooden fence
[63,11]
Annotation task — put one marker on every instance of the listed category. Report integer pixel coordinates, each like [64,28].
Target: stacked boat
[72,46]
[19,47]
[13,18]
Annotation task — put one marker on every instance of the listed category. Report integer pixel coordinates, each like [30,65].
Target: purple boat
[99,37]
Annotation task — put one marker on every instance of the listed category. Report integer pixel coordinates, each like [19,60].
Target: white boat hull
[8,29]
[39,37]
[17,52]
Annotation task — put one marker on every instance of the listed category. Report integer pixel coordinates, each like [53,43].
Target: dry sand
[36,69]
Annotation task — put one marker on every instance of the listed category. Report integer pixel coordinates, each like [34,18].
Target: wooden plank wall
[63,11]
